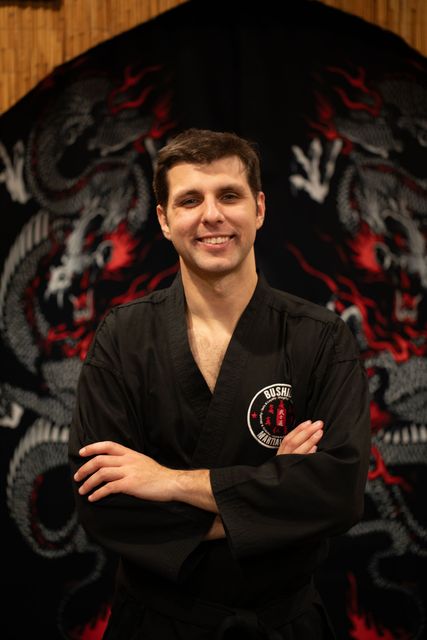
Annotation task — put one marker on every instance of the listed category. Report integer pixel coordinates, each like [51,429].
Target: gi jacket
[288,360]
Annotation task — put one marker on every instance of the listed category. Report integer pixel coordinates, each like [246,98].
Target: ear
[163,221]
[260,209]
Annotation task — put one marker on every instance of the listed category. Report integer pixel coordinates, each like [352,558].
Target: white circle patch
[271,414]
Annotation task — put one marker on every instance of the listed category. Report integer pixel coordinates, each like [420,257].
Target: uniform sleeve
[294,498]
[158,536]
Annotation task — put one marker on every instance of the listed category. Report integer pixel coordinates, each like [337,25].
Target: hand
[122,470]
[302,439]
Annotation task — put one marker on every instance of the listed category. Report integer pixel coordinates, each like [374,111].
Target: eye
[229,196]
[189,202]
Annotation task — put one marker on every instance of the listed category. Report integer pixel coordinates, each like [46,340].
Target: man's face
[212,216]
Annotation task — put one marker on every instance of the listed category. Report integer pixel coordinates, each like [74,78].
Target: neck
[219,298]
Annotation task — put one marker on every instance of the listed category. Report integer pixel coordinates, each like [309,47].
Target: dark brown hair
[202,146]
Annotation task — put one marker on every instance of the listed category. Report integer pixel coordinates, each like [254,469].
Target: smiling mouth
[215,239]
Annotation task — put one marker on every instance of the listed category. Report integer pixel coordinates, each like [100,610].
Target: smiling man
[221,431]
[212,220]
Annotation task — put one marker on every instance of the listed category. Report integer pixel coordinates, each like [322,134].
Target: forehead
[225,171]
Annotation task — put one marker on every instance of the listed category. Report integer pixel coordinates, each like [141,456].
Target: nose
[212,212]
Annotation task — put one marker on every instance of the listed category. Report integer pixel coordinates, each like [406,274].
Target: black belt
[258,623]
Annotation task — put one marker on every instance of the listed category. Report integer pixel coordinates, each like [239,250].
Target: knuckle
[102,473]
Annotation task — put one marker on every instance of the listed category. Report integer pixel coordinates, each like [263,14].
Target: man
[192,468]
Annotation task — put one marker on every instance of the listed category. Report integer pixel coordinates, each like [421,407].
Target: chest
[257,378]
[208,349]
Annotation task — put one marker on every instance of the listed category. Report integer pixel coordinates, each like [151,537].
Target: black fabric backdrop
[338,109]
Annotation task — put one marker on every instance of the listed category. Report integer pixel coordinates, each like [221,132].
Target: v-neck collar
[211,409]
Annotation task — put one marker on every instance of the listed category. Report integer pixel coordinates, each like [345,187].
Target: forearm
[113,468]
[194,487]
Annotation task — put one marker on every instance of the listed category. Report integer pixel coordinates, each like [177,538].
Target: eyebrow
[185,194]
[195,192]
[232,187]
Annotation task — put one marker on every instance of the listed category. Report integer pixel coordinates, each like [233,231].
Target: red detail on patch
[281,416]
[381,471]
[363,627]
[271,414]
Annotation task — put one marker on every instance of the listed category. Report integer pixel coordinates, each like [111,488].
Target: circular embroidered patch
[271,414]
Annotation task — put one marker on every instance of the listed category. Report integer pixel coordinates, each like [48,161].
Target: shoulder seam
[145,300]
[302,314]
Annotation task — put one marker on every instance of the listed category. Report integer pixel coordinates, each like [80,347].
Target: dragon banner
[338,109]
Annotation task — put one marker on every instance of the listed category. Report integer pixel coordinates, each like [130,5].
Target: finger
[300,427]
[298,437]
[311,442]
[295,439]
[106,490]
[106,446]
[104,475]
[96,463]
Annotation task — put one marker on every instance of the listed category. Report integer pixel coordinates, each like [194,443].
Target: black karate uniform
[288,360]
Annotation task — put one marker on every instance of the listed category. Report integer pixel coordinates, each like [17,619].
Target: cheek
[251,228]
[181,230]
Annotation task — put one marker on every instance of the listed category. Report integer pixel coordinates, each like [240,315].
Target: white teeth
[217,240]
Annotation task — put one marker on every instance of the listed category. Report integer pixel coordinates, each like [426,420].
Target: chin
[218,270]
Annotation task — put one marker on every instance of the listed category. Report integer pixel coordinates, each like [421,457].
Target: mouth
[216,241]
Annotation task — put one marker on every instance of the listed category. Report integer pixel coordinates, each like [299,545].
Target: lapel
[230,377]
[187,374]
[211,410]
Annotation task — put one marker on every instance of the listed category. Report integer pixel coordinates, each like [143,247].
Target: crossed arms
[114,468]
